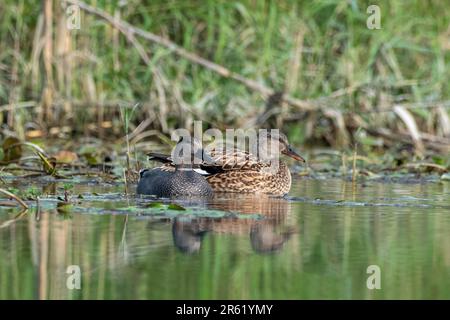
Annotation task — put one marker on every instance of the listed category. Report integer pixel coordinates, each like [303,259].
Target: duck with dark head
[178,177]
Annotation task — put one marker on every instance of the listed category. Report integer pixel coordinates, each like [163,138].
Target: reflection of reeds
[326,258]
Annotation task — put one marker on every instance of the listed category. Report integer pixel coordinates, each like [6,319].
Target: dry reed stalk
[90,92]
[354,173]
[162,98]
[444,121]
[13,196]
[125,173]
[38,209]
[344,163]
[13,88]
[292,72]
[342,137]
[411,125]
[37,47]
[48,92]
[115,42]
[430,141]
[63,63]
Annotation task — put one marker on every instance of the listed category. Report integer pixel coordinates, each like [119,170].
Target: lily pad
[156,205]
[174,206]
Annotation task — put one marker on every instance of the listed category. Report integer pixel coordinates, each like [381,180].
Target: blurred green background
[320,52]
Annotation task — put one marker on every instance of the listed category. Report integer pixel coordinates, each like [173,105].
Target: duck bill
[293,154]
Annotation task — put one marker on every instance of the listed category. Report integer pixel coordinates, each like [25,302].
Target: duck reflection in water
[265,238]
[187,236]
[267,235]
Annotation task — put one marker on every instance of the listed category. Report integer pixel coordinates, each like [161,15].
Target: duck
[243,172]
[239,171]
[180,178]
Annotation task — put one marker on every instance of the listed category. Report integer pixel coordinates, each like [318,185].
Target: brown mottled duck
[243,172]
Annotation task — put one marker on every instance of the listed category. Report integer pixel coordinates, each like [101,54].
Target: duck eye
[142,171]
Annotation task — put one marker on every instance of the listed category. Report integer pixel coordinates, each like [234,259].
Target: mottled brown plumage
[240,171]
[254,180]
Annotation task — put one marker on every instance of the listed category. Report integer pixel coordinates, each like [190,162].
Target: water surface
[315,244]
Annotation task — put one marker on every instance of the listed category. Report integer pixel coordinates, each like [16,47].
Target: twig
[441,146]
[38,209]
[431,166]
[33,146]
[13,196]
[23,169]
[126,182]
[12,106]
[11,221]
[354,173]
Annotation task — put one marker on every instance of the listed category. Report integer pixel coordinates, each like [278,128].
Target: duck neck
[184,167]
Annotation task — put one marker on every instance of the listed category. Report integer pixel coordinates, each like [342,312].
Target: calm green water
[317,244]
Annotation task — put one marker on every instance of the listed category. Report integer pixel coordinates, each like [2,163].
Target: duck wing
[223,161]
[165,159]
[232,160]
[160,157]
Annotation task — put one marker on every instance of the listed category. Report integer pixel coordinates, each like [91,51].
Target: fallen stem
[13,196]
[11,221]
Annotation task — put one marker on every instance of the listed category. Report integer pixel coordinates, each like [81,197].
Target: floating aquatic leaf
[174,206]
[155,205]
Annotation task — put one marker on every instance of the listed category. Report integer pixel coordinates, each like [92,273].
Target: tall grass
[315,50]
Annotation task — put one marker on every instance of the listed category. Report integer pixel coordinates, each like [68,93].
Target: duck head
[280,140]
[189,153]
